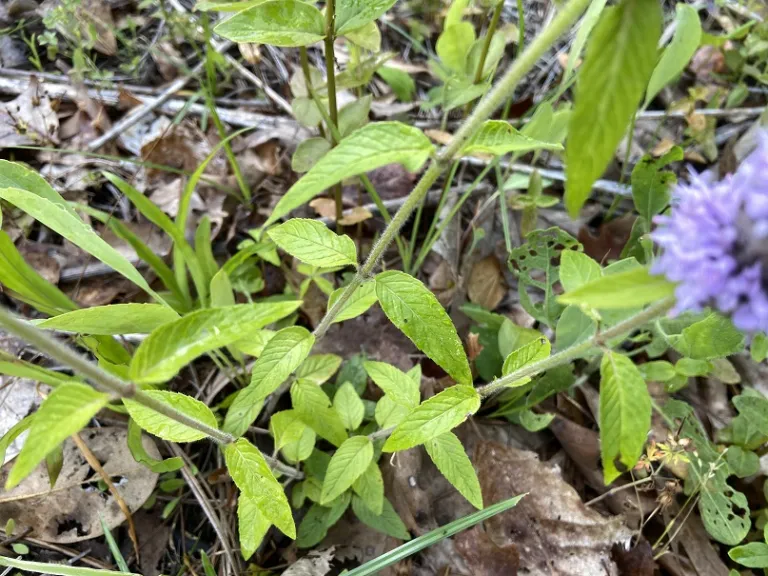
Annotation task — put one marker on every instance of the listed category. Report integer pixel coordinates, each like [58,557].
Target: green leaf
[498,137]
[301,449]
[367,36]
[713,337]
[534,422]
[354,115]
[389,413]
[388,522]
[625,413]
[308,153]
[352,14]
[313,406]
[395,383]
[755,408]
[217,6]
[169,348]
[372,146]
[370,488]
[573,327]
[416,312]
[319,368]
[651,184]
[511,337]
[113,319]
[434,417]
[752,555]
[400,81]
[681,49]
[724,513]
[743,463]
[349,406]
[311,242]
[12,366]
[313,527]
[448,454]
[277,22]
[689,367]
[658,371]
[66,411]
[586,26]
[16,430]
[358,303]
[165,428]
[630,289]
[139,453]
[252,525]
[534,351]
[453,45]
[347,465]
[283,354]
[56,569]
[577,269]
[252,475]
[758,348]
[61,219]
[286,427]
[620,57]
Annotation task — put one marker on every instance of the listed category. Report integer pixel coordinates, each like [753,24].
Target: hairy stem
[498,94]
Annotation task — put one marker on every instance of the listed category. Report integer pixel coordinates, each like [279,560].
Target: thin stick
[330,69]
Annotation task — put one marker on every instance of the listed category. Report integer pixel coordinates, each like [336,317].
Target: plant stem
[487,44]
[330,63]
[107,382]
[574,352]
[516,72]
[520,27]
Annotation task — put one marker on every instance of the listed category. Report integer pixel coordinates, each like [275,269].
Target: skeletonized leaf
[165,428]
[372,146]
[349,406]
[68,409]
[435,416]
[416,312]
[358,303]
[281,356]
[313,243]
[370,487]
[448,454]
[534,351]
[347,464]
[113,319]
[277,22]
[620,57]
[395,383]
[160,357]
[252,525]
[498,137]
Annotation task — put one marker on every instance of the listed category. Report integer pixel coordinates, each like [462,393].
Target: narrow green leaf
[12,366]
[388,522]
[252,525]
[361,300]
[498,137]
[347,464]
[56,569]
[165,428]
[534,351]
[416,312]
[448,454]
[65,412]
[311,242]
[435,416]
[112,319]
[370,488]
[620,57]
[577,269]
[170,347]
[139,453]
[681,49]
[625,413]
[352,14]
[313,406]
[319,368]
[372,146]
[253,476]
[14,175]
[752,555]
[628,289]
[276,22]
[395,383]
[283,354]
[349,406]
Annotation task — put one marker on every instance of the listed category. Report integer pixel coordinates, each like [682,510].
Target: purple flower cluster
[716,243]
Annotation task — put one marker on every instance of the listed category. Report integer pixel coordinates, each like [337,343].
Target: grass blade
[56,569]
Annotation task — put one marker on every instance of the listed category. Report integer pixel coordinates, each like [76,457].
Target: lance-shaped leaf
[166,428]
[448,454]
[252,525]
[113,319]
[347,464]
[312,243]
[361,300]
[276,22]
[497,137]
[352,14]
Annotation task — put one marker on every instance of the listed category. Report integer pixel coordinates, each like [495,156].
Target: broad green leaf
[713,337]
[362,73]
[534,422]
[358,303]
[308,153]
[755,408]
[577,269]
[389,413]
[313,527]
[388,522]
[286,427]
[681,49]
[395,383]
[455,13]
[628,289]
[164,427]
[370,488]
[319,368]
[586,26]
[311,242]
[498,138]
[400,81]
[448,454]
[372,146]
[416,312]
[573,327]
[313,406]
[724,513]
[436,416]
[689,367]
[276,22]
[252,525]
[352,14]
[752,555]
[65,412]
[453,45]
[368,36]
[534,351]
[743,463]
[252,475]
[349,406]
[254,345]
[169,348]
[347,464]
[758,348]
[140,454]
[283,354]
[354,115]
[62,220]
[625,413]
[651,184]
[620,57]
[493,54]
[112,319]
[657,371]
[301,449]
[511,337]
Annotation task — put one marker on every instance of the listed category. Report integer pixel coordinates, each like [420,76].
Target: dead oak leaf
[486,283]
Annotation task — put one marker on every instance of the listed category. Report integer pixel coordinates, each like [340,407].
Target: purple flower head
[716,243]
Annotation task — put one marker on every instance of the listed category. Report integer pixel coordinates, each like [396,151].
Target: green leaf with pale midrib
[164,427]
[312,243]
[394,382]
[313,406]
[252,524]
[372,146]
[349,406]
[531,352]
[347,464]
[629,289]
[113,319]
[370,488]
[498,138]
[277,22]
[448,454]
[363,297]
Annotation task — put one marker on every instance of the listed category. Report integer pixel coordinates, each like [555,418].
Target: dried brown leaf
[486,283]
[29,119]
